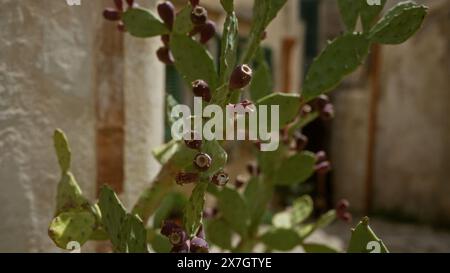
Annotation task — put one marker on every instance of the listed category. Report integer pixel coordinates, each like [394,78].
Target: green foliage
[301,209]
[143,23]
[62,150]
[295,169]
[351,10]
[158,242]
[340,58]
[219,233]
[72,226]
[229,45]
[228,5]
[399,24]
[183,23]
[289,105]
[264,12]
[364,240]
[194,209]
[281,239]
[234,210]
[198,64]
[256,196]
[77,220]
[261,84]
[173,202]
[126,232]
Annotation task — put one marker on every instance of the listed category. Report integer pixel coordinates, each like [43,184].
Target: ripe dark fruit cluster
[240,77]
[179,239]
[199,15]
[183,178]
[202,162]
[165,56]
[207,31]
[342,212]
[166,11]
[201,89]
[220,179]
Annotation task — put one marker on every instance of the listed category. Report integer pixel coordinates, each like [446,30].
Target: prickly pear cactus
[399,24]
[75,218]
[364,240]
[126,231]
[241,207]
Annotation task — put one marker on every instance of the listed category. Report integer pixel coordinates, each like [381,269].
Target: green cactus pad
[198,64]
[399,24]
[302,209]
[349,12]
[133,235]
[256,196]
[261,84]
[264,12]
[228,47]
[296,169]
[369,13]
[289,106]
[183,23]
[158,242]
[281,239]
[69,195]
[62,150]
[364,240]
[71,227]
[174,202]
[340,58]
[143,23]
[113,217]
[228,5]
[219,233]
[194,210]
[234,210]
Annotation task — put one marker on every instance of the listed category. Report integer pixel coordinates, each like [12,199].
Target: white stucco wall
[47,81]
[144,113]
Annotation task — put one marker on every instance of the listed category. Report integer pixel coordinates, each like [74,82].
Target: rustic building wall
[49,58]
[412,174]
[412,140]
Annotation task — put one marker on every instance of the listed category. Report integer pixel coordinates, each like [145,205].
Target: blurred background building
[65,67]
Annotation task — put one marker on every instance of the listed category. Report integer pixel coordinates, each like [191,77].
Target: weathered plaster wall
[46,78]
[413,132]
[413,140]
[144,113]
